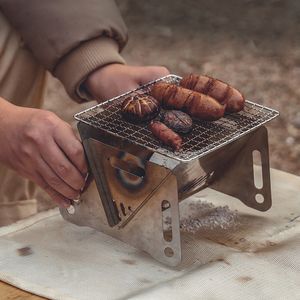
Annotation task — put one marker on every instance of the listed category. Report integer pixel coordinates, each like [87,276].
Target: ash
[202,216]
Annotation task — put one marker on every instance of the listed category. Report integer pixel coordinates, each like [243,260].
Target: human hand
[43,148]
[115,79]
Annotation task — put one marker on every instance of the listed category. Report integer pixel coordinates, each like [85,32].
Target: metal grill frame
[205,137]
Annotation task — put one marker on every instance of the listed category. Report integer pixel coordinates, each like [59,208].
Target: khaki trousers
[22,82]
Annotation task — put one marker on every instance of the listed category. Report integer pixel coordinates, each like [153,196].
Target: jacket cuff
[74,68]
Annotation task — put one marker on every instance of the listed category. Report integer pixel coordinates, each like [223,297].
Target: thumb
[145,74]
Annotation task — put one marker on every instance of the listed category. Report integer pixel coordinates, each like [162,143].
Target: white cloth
[258,259]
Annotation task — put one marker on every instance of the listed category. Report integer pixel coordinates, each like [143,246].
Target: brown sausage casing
[197,105]
[166,135]
[219,90]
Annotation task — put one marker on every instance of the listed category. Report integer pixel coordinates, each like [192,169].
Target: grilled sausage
[197,105]
[217,89]
[166,135]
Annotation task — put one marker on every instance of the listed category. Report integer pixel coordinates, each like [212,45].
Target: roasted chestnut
[140,108]
[178,121]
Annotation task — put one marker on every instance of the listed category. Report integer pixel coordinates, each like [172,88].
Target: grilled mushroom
[140,108]
[178,121]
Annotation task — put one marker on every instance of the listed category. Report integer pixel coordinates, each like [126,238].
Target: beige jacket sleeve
[70,38]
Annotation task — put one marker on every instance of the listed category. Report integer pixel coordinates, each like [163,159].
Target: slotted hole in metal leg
[123,209]
[166,220]
[259,198]
[258,178]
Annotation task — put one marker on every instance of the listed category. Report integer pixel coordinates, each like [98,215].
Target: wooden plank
[9,292]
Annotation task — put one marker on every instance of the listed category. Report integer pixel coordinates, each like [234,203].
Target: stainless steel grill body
[139,181]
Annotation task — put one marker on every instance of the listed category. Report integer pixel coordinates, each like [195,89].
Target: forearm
[52,29]
[77,66]
[70,38]
[6,109]
[4,104]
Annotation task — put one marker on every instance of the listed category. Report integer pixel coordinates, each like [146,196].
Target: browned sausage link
[221,91]
[195,104]
[166,135]
[163,91]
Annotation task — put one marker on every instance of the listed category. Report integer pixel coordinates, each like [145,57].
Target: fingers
[36,177]
[145,74]
[115,79]
[116,88]
[59,199]
[72,147]
[62,166]
[54,182]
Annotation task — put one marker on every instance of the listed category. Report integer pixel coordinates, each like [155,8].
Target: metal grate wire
[204,138]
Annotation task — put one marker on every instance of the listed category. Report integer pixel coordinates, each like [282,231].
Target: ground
[254,45]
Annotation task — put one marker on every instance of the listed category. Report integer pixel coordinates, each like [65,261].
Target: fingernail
[86,176]
[76,199]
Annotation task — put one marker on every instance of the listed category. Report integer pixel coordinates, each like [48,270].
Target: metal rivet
[259,198]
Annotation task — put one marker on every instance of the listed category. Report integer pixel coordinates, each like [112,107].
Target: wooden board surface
[9,292]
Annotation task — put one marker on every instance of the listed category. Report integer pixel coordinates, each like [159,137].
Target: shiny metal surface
[126,181]
[139,183]
[149,179]
[131,212]
[230,170]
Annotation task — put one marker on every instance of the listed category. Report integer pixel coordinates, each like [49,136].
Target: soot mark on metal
[243,279]
[128,261]
[24,251]
[129,181]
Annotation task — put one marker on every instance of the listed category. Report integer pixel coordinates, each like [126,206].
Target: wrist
[75,68]
[97,81]
[5,116]
[6,109]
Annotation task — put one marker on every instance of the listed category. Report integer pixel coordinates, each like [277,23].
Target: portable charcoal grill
[140,182]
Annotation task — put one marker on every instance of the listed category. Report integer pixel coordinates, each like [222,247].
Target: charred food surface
[197,96]
[197,105]
[217,89]
[177,120]
[166,135]
[140,108]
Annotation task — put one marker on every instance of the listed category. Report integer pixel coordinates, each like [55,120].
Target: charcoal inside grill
[205,137]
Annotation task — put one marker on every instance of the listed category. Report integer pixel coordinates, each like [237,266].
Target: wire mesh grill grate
[204,138]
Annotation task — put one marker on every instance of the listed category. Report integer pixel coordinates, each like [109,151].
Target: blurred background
[252,44]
